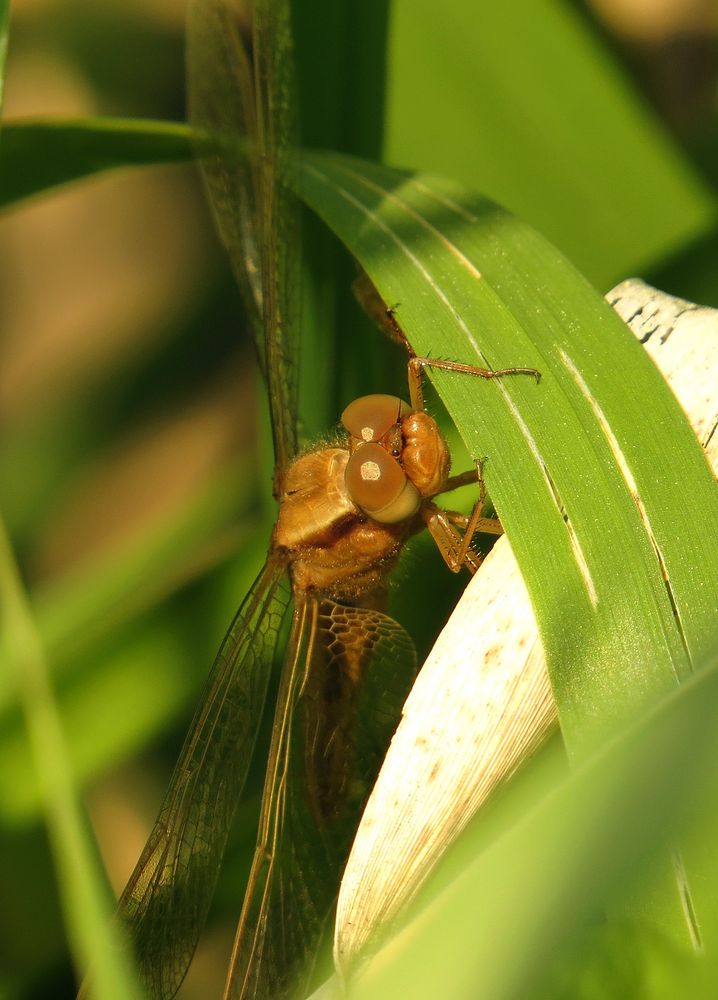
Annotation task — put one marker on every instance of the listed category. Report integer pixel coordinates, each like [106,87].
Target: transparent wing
[166,900]
[244,105]
[347,674]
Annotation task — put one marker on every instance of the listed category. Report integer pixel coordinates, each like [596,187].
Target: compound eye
[378,485]
[370,417]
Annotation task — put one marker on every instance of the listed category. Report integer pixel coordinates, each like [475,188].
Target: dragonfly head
[398,457]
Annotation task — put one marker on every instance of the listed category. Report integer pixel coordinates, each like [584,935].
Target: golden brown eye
[377,485]
[370,417]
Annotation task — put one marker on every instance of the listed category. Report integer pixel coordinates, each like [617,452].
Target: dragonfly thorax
[345,512]
[332,546]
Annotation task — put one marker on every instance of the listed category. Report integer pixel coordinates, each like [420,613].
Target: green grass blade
[92,937]
[38,155]
[108,633]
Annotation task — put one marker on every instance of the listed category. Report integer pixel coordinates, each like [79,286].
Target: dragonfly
[345,512]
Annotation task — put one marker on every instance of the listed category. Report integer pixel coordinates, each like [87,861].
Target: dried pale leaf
[682,339]
[437,772]
[482,703]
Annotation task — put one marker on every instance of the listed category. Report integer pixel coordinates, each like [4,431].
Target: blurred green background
[135,468]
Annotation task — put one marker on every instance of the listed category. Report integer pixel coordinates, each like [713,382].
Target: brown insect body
[334,547]
[344,513]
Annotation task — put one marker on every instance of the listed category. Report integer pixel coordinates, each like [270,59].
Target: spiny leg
[416,366]
[467,478]
[454,545]
[385,318]
[377,310]
[449,541]
[475,522]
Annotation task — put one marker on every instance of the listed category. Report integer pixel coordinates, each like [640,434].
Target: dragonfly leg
[416,366]
[384,316]
[455,547]
[467,478]
[475,522]
[377,310]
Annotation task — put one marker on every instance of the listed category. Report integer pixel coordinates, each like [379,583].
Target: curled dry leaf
[482,702]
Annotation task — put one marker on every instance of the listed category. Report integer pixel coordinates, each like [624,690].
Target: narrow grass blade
[92,937]
[38,154]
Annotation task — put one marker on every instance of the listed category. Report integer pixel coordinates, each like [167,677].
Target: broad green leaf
[599,449]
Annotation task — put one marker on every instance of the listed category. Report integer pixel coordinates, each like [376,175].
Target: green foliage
[530,105]
[547,123]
